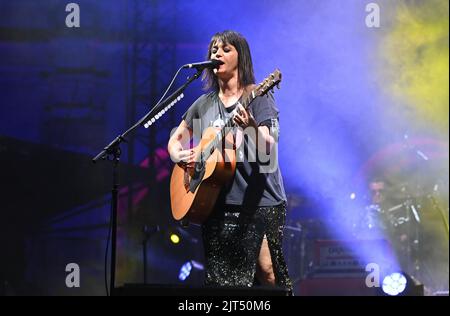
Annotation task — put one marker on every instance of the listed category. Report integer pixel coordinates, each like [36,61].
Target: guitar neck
[247,100]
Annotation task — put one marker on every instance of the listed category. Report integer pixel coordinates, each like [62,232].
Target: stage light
[174,238]
[394,284]
[401,284]
[187,267]
[352,196]
[177,235]
[185,271]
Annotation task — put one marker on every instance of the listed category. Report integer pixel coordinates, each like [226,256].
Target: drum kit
[375,220]
[400,216]
[410,212]
[397,210]
[413,171]
[412,218]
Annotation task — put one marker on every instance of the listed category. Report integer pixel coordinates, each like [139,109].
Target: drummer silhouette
[371,221]
[377,187]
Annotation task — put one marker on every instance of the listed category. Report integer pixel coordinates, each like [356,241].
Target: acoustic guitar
[194,191]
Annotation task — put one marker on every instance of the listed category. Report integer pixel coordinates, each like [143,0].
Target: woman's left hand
[244,118]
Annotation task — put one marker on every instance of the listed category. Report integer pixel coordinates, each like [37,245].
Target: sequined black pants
[232,241]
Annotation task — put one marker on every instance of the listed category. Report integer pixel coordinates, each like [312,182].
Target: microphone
[213,63]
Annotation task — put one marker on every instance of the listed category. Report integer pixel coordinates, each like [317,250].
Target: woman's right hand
[185,158]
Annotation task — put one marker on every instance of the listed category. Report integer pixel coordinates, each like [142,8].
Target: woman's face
[229,55]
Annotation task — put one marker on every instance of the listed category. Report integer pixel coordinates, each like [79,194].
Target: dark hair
[245,64]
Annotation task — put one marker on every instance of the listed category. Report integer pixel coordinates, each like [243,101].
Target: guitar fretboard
[229,124]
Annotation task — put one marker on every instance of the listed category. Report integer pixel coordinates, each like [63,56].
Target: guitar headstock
[269,83]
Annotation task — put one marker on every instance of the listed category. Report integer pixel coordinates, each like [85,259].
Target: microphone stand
[112,153]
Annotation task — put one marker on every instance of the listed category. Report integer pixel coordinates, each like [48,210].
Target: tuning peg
[278,85]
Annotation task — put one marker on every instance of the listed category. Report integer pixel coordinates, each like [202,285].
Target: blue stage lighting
[394,284]
[185,271]
[187,267]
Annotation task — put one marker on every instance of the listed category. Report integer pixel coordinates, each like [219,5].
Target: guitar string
[207,152]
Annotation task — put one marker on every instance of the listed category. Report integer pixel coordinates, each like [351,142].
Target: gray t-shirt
[255,183]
